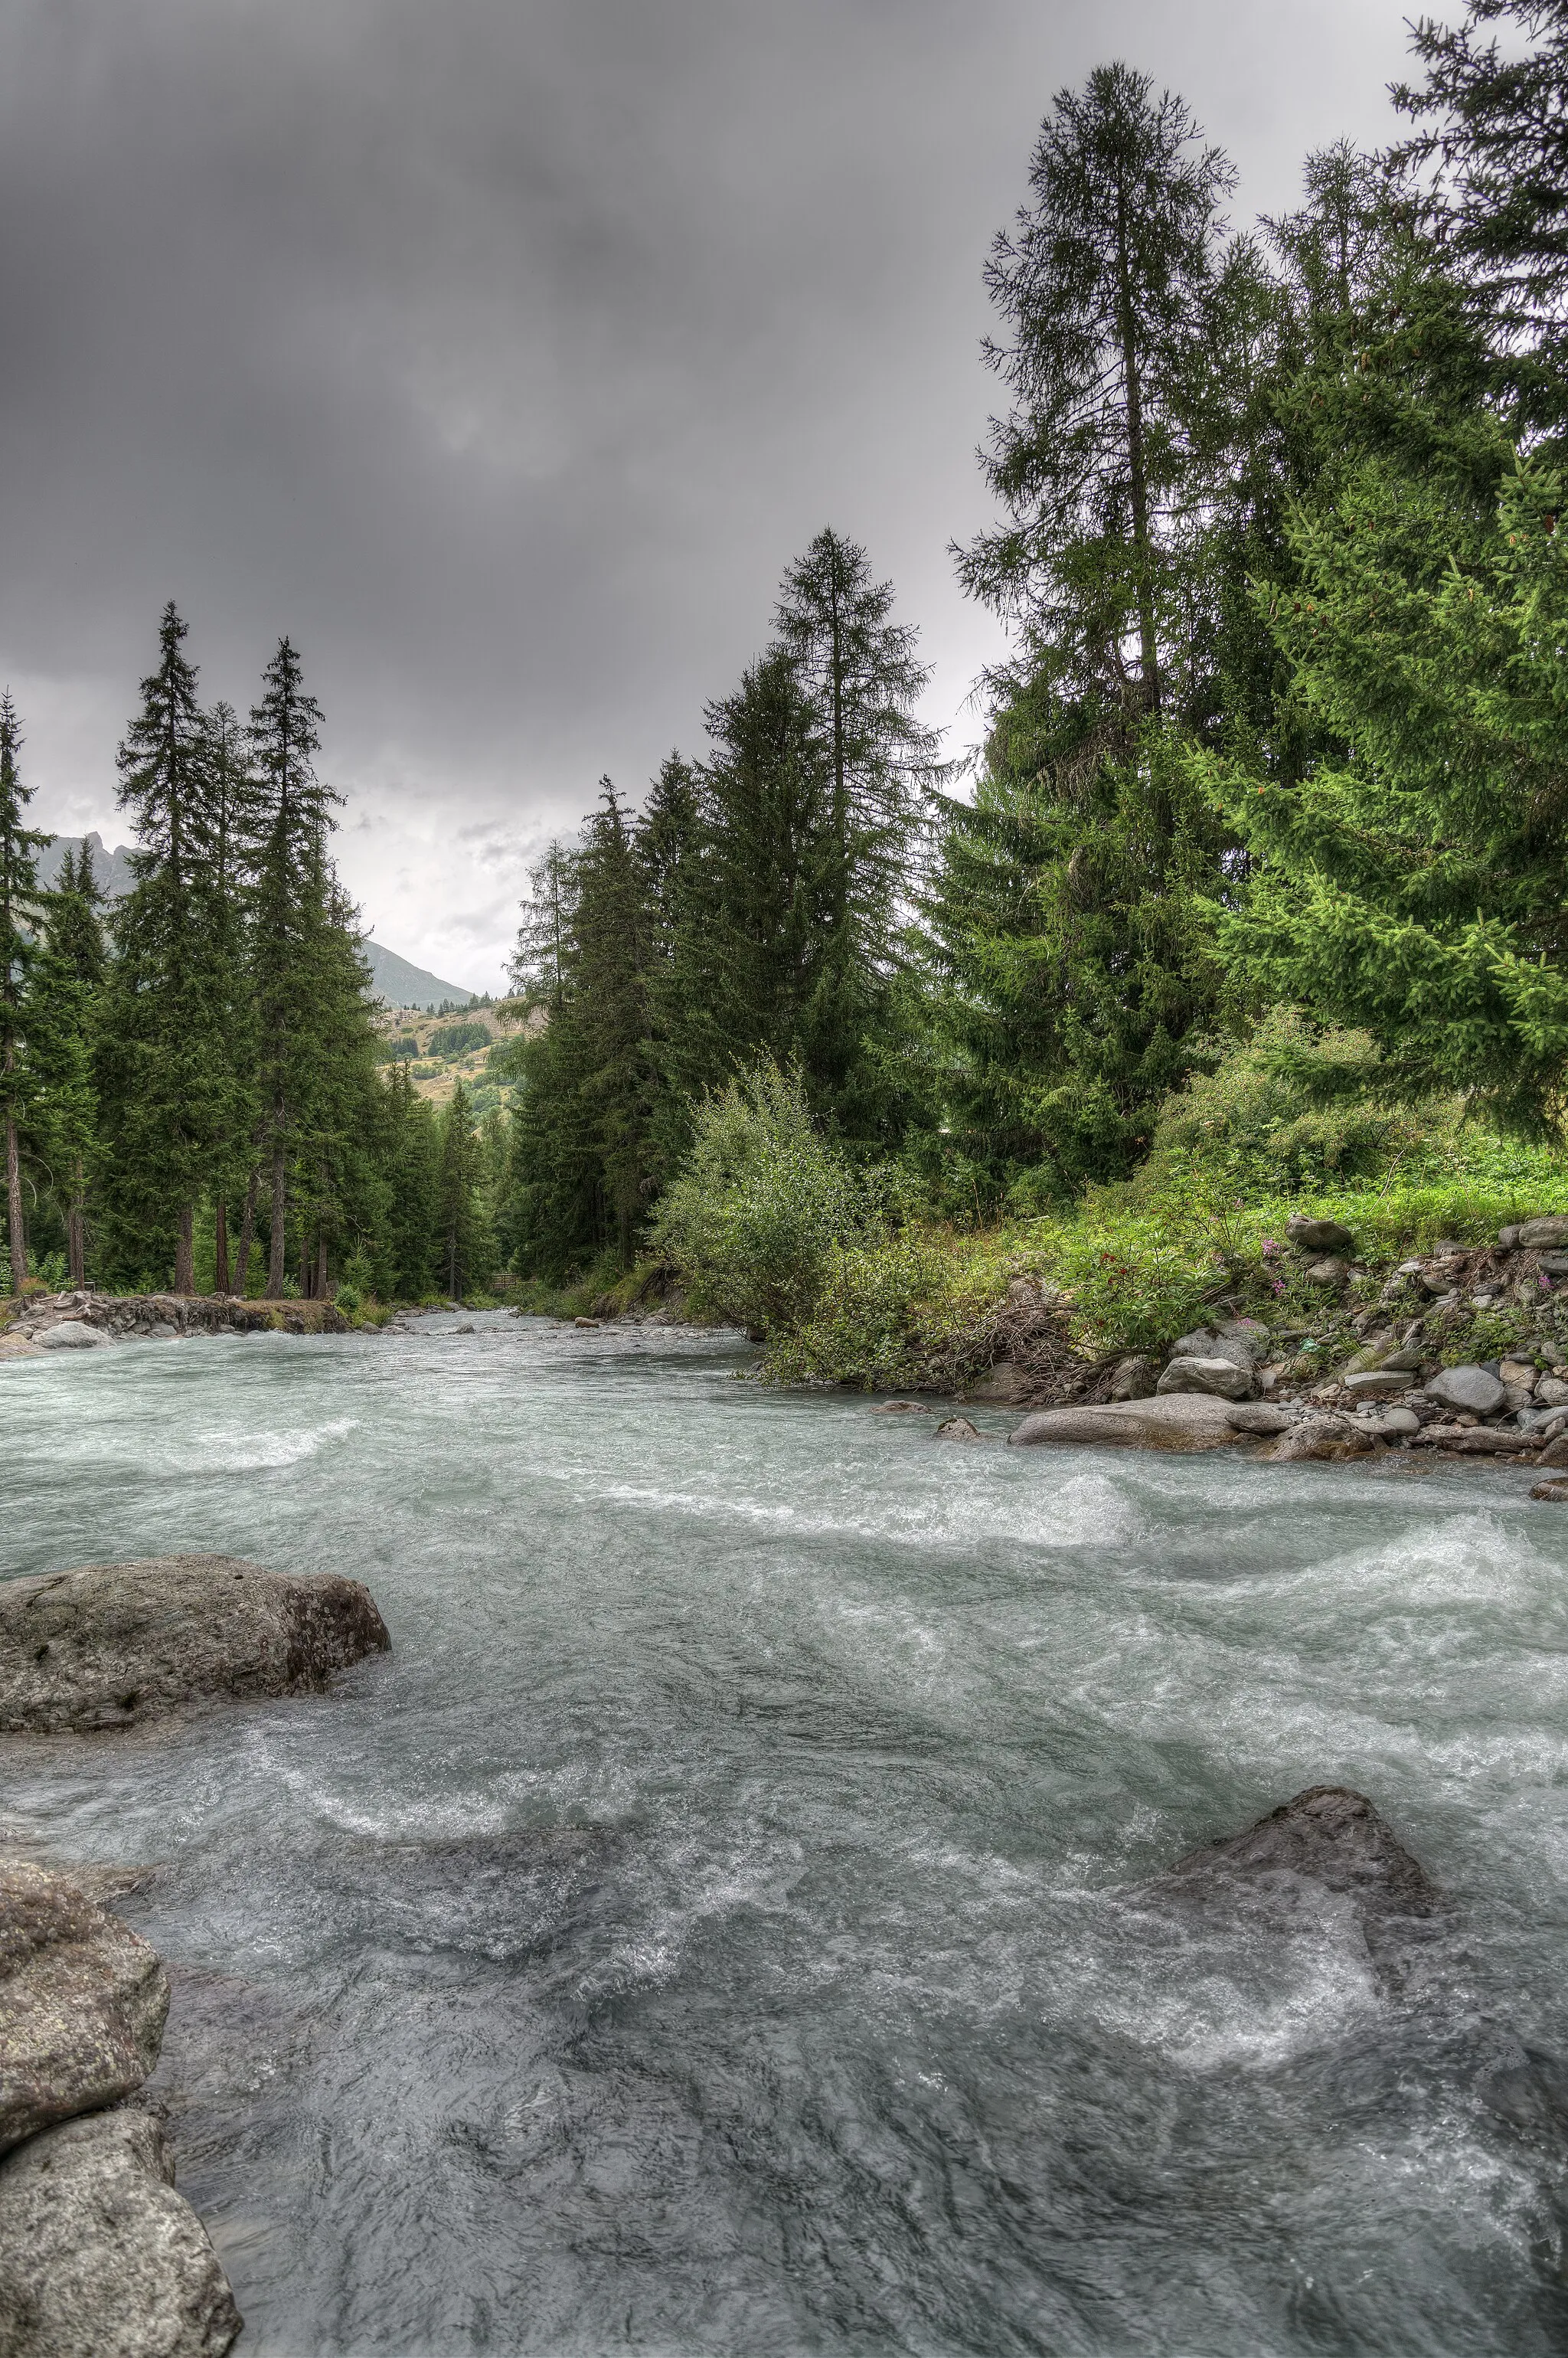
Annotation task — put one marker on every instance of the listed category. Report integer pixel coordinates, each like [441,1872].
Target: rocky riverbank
[98,2251]
[1388,1372]
[85,1321]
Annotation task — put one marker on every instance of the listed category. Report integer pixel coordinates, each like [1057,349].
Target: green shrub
[762,1205]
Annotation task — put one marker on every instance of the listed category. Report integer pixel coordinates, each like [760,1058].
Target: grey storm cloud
[503,354]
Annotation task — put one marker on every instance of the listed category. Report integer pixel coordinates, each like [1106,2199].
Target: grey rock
[1329,1273]
[1328,1835]
[159,1330]
[1221,1376]
[1508,1239]
[69,1335]
[1198,1344]
[1180,1422]
[1554,1264]
[1257,1416]
[1551,1392]
[1468,1388]
[108,1645]
[1317,1235]
[1324,1433]
[83,2002]
[1137,1379]
[1377,1383]
[1477,1440]
[1394,1423]
[99,2256]
[958,1428]
[896,1408]
[1548,1234]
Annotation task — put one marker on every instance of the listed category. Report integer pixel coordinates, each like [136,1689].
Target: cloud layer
[504,353]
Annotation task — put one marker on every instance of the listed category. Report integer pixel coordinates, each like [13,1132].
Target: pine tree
[18,898]
[65,1016]
[229,795]
[408,1155]
[1106,284]
[171,1107]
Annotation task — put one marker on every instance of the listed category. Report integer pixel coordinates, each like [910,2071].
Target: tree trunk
[279,1213]
[1137,468]
[220,1247]
[16,1232]
[76,1225]
[185,1251]
[247,1232]
[320,1269]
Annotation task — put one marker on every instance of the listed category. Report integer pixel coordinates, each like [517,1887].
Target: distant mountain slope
[392,978]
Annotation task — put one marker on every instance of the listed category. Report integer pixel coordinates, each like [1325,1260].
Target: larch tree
[18,900]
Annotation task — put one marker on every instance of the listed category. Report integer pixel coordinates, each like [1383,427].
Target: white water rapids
[709,1931]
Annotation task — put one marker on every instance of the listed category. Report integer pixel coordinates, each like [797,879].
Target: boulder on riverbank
[99,2255]
[110,1645]
[82,2003]
[1179,1422]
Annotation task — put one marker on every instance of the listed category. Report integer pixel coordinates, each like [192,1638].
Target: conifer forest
[1257,884]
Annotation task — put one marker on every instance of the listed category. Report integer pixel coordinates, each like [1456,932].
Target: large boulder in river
[99,2255]
[1180,1422]
[108,1645]
[1329,1835]
[82,2003]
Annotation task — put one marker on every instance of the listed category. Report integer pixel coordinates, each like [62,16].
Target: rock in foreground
[100,2255]
[109,1645]
[1182,1421]
[82,2003]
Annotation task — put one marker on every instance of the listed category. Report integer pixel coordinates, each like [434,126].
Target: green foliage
[905,1309]
[457,1039]
[763,1205]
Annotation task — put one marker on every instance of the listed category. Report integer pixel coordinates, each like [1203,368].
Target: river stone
[958,1428]
[1549,1234]
[1468,1388]
[1479,1440]
[83,2002]
[1554,1493]
[1379,1383]
[1329,1835]
[1222,1377]
[1552,1391]
[109,1645]
[1323,1435]
[1181,1423]
[1394,1423]
[1317,1235]
[99,2256]
[1137,1379]
[1257,1416]
[69,1335]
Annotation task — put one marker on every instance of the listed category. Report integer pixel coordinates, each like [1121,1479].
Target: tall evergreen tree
[457,1209]
[1106,285]
[65,1016]
[18,898]
[287,822]
[172,1101]
[230,794]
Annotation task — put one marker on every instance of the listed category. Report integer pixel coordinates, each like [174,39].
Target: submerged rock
[958,1428]
[1329,1834]
[82,2003]
[109,1645]
[100,2255]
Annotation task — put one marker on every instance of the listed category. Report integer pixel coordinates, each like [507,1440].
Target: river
[709,1931]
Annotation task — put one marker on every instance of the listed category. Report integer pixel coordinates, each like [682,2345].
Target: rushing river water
[710,1929]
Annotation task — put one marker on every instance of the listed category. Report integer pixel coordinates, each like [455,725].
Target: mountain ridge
[395,981]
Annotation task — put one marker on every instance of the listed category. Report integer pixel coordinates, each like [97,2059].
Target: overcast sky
[503,352]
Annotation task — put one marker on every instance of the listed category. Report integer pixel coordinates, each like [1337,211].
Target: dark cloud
[503,354]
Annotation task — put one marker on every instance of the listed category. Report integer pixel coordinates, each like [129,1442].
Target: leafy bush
[761,1206]
[911,1311]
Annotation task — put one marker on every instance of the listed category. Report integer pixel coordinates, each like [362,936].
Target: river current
[715,1928]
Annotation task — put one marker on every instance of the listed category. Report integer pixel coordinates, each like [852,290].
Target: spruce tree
[18,901]
[458,1210]
[286,821]
[172,1107]
[409,1152]
[230,794]
[65,1017]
